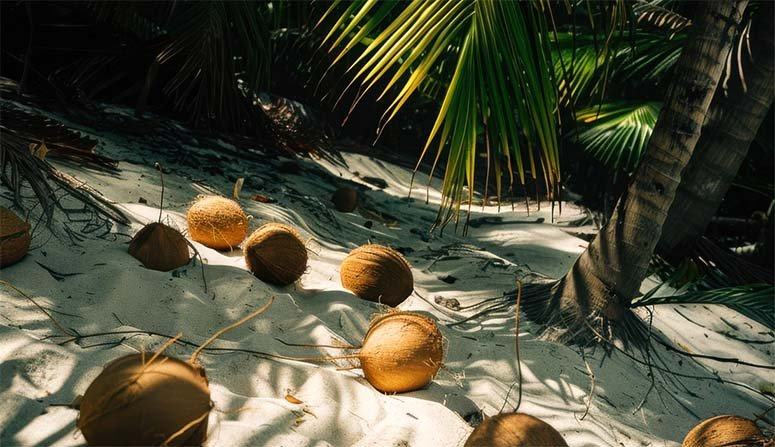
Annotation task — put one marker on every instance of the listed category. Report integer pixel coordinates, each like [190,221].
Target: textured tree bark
[731,127]
[604,280]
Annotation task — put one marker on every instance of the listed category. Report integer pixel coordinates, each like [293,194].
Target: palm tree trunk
[727,135]
[600,286]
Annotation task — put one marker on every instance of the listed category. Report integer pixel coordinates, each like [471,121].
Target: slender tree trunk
[597,291]
[731,127]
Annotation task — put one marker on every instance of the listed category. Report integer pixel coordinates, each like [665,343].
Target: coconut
[515,430]
[345,199]
[159,247]
[142,400]
[217,222]
[725,430]
[14,237]
[401,352]
[377,273]
[276,254]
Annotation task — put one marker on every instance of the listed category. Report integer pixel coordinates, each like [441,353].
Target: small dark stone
[404,250]
[449,279]
[375,181]
[142,200]
[368,224]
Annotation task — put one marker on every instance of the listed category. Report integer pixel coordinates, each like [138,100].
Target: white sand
[110,291]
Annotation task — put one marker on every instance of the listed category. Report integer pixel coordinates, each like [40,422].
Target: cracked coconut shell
[217,222]
[276,254]
[159,247]
[345,199]
[727,431]
[401,352]
[141,403]
[377,273]
[14,238]
[515,430]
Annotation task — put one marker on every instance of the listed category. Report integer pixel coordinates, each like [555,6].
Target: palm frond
[650,57]
[144,20]
[496,58]
[710,274]
[656,14]
[752,300]
[217,47]
[583,70]
[617,133]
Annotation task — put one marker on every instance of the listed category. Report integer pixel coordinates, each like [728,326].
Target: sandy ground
[93,286]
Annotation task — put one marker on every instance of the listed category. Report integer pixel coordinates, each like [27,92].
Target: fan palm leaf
[582,69]
[616,133]
[489,64]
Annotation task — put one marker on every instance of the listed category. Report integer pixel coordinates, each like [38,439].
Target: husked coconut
[276,254]
[345,199]
[160,247]
[217,222]
[725,431]
[401,352]
[14,238]
[377,273]
[139,400]
[515,430]
[150,400]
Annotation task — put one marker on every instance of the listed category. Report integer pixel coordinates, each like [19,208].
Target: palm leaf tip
[496,85]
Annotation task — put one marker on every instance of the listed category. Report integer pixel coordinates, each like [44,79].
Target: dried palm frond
[26,139]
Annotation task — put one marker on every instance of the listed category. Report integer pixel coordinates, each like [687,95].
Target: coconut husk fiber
[276,254]
[140,400]
[377,273]
[217,222]
[14,238]
[515,430]
[727,431]
[345,199]
[159,247]
[401,352]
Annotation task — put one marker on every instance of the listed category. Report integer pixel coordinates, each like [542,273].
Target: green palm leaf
[752,300]
[617,133]
[493,61]
[583,70]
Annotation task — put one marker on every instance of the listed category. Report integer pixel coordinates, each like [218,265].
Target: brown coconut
[276,254]
[401,352]
[377,273]
[138,402]
[159,247]
[727,431]
[217,222]
[14,237]
[345,199]
[515,430]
